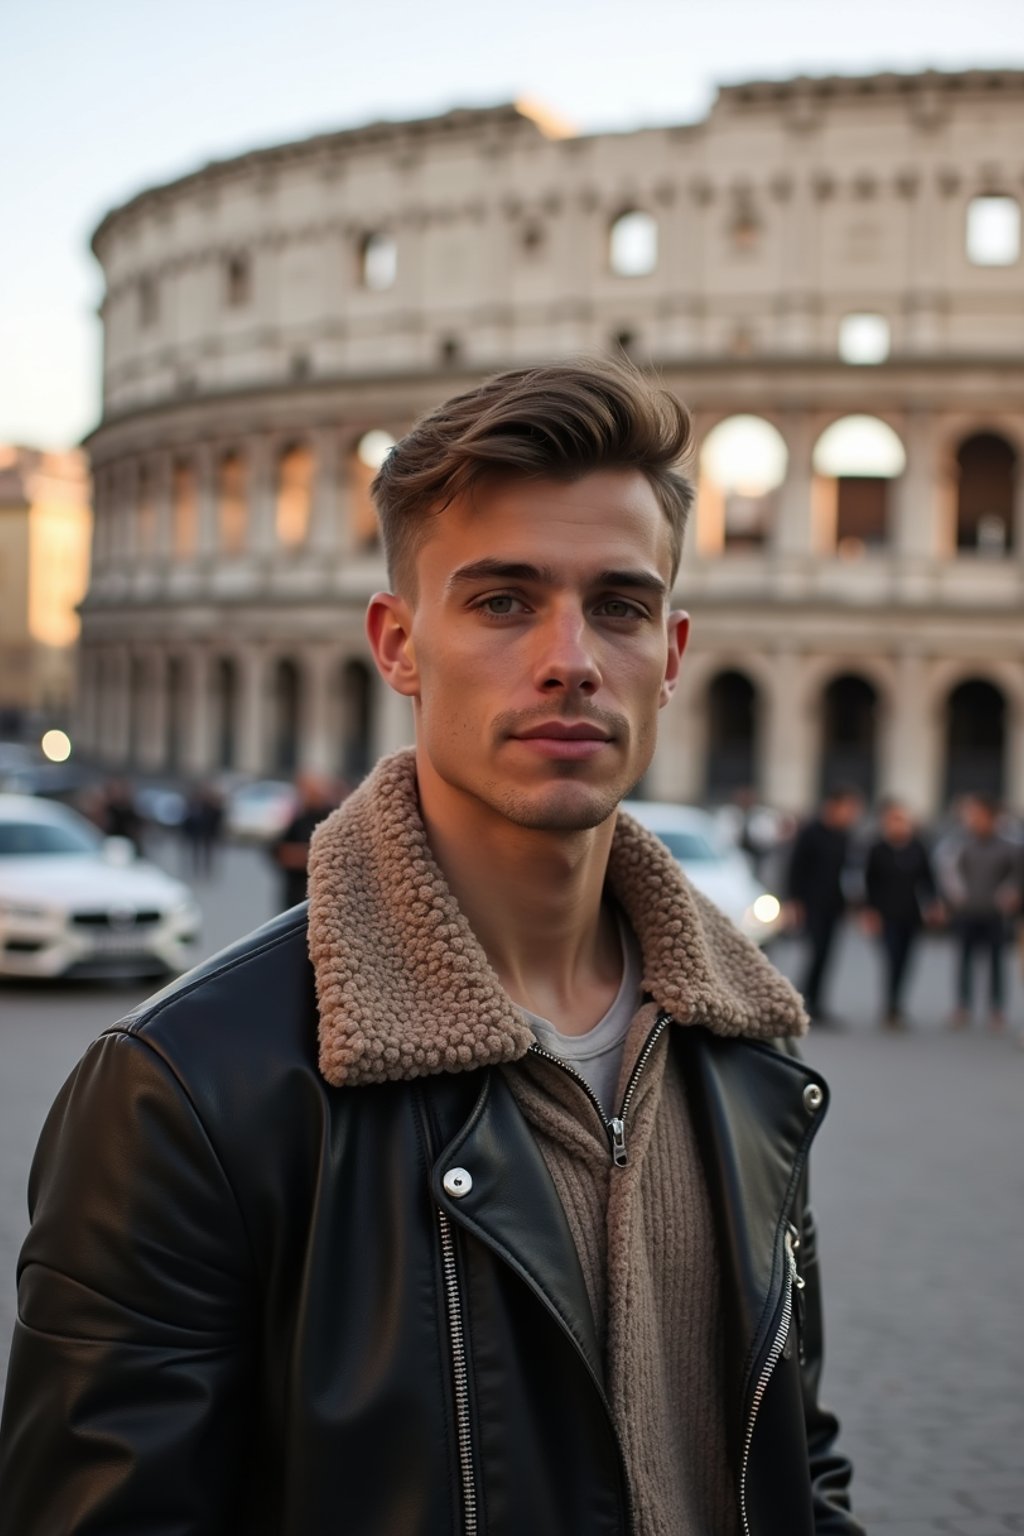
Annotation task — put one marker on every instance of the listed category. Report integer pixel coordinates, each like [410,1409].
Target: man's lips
[559,730]
[564,741]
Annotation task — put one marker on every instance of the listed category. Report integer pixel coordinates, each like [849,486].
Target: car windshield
[689,847]
[23,839]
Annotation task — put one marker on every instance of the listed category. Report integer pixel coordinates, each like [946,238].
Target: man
[981,879]
[290,851]
[340,1245]
[900,893]
[817,898]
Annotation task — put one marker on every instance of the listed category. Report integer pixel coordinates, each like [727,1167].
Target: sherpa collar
[404,987]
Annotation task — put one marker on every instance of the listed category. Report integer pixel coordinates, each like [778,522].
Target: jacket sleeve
[830,1470]
[126,1397]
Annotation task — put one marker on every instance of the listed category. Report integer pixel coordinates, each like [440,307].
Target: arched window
[367,456]
[742,465]
[975,740]
[732,733]
[986,490]
[232,507]
[633,244]
[993,231]
[294,495]
[355,719]
[849,735]
[184,510]
[286,716]
[855,459]
[225,710]
[378,261]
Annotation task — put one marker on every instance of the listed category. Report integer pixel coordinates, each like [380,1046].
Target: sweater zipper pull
[617,1127]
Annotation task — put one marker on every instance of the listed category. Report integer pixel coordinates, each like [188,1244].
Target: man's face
[897,826]
[539,647]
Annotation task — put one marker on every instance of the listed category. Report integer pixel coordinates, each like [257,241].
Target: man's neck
[534,899]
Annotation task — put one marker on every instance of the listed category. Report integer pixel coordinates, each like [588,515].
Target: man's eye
[500,605]
[619,608]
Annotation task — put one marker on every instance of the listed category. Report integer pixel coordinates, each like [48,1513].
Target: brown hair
[559,422]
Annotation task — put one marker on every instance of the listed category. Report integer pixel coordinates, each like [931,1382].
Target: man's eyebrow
[543,575]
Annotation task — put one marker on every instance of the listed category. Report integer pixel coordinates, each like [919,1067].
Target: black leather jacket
[249,1302]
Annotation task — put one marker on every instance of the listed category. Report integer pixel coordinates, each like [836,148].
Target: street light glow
[56,746]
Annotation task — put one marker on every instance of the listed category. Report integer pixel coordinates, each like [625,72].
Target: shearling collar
[405,989]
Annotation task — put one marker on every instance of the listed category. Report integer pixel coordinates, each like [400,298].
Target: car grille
[118,920]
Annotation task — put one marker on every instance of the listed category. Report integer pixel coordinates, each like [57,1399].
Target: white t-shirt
[597,1055]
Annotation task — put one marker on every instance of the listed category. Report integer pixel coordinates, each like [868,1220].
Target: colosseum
[828,271]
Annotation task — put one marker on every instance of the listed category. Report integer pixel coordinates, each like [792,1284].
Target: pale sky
[101,99]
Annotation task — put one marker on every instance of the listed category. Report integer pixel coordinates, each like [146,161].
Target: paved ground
[919,1189]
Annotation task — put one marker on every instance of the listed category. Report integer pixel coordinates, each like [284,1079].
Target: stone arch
[732,755]
[856,460]
[849,734]
[232,502]
[285,714]
[743,464]
[355,699]
[184,509]
[225,690]
[976,738]
[365,455]
[987,472]
[293,494]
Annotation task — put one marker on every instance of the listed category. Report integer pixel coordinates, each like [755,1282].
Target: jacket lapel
[513,1207]
[756,1120]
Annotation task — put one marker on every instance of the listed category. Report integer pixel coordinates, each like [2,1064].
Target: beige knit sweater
[405,989]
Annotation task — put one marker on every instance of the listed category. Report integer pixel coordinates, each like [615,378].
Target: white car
[714,865]
[74,903]
[260,811]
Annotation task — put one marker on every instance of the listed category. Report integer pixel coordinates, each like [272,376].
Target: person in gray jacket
[980,875]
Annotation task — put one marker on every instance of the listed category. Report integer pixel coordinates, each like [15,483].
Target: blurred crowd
[899,880]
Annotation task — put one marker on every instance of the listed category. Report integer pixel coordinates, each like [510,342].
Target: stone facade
[812,251]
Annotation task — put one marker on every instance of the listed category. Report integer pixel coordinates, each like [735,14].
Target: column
[118,742]
[206,492]
[790,759]
[1015,750]
[162,467]
[315,747]
[324,526]
[198,753]
[393,720]
[916,495]
[84,723]
[260,454]
[794,529]
[252,710]
[910,751]
[152,737]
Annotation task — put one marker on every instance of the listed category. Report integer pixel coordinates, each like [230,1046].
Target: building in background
[45,530]
[827,271]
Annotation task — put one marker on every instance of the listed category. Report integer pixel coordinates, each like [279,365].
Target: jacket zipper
[460,1373]
[615,1126]
[795,1283]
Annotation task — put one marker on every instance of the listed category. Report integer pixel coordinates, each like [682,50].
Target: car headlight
[23,910]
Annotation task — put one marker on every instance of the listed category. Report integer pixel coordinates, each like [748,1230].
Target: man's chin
[564,807]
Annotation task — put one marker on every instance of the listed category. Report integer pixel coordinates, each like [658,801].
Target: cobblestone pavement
[918,1189]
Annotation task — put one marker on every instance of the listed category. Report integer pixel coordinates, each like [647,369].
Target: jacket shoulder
[252,1003]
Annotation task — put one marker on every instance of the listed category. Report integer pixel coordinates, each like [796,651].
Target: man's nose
[565,655]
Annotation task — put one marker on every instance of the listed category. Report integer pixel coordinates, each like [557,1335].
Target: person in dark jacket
[816,890]
[471,1196]
[980,873]
[290,851]
[899,895]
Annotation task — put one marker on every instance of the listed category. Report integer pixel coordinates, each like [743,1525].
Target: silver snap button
[457,1182]
[813,1098]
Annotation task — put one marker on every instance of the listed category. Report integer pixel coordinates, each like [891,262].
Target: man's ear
[389,631]
[678,634]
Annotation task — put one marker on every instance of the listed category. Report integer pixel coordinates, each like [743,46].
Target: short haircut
[557,422]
